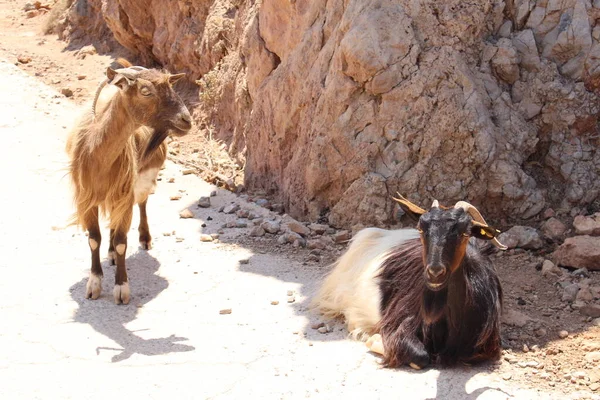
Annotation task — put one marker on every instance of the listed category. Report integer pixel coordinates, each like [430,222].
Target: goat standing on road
[420,296]
[116,151]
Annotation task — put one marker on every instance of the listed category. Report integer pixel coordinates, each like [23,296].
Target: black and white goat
[420,295]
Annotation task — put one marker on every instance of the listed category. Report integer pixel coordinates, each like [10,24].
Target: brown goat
[116,151]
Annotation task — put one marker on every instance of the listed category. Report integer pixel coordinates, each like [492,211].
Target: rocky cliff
[334,105]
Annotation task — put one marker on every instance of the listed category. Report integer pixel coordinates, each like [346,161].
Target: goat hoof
[414,366]
[375,344]
[111,257]
[146,244]
[121,293]
[93,287]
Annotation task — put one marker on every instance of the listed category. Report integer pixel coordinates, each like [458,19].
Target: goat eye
[145,91]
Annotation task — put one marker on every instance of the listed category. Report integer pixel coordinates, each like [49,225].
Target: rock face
[579,252]
[336,105]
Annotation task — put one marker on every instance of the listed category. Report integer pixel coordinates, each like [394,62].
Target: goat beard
[155,141]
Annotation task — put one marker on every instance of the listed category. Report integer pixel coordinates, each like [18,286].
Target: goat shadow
[452,383]
[110,319]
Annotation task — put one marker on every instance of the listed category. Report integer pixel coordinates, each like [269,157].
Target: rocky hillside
[335,105]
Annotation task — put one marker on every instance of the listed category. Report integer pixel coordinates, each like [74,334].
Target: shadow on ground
[110,320]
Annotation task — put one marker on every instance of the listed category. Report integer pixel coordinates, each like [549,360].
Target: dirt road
[170,341]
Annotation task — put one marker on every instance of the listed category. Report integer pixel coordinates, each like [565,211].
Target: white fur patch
[93,287]
[121,293]
[144,184]
[352,288]
[121,249]
[93,244]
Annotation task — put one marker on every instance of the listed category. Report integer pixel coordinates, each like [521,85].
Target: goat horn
[477,217]
[130,72]
[435,204]
[411,206]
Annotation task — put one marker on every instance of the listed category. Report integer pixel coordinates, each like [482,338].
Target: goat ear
[114,78]
[175,78]
[483,232]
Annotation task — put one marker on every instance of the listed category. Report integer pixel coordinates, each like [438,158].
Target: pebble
[341,236]
[570,292]
[215,236]
[271,226]
[563,334]
[206,238]
[541,332]
[291,299]
[317,325]
[290,292]
[179,239]
[186,214]
[241,223]
[244,261]
[23,59]
[231,208]
[319,229]
[507,376]
[263,203]
[243,213]
[257,231]
[213,193]
[274,302]
[66,92]
[171,180]
[81,77]
[525,349]
[176,197]
[535,348]
[322,330]
[225,311]
[594,386]
[166,233]
[187,171]
[204,202]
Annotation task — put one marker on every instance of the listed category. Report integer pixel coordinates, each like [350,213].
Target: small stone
[316,244]
[541,332]
[243,213]
[319,229]
[206,238]
[553,229]
[32,13]
[584,295]
[590,310]
[213,193]
[244,261]
[186,214]
[290,292]
[66,92]
[535,348]
[263,203]
[549,269]
[204,202]
[187,171]
[278,208]
[548,213]
[216,236]
[581,272]
[298,228]
[175,197]
[570,292]
[514,318]
[274,302]
[225,311]
[171,180]
[587,225]
[241,223]
[341,236]
[179,239]
[81,77]
[257,231]
[317,325]
[231,208]
[507,376]
[23,59]
[291,299]
[166,233]
[563,334]
[322,330]
[271,226]
[525,349]
[523,237]
[594,387]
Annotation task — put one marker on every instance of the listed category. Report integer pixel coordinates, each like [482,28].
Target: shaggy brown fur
[112,155]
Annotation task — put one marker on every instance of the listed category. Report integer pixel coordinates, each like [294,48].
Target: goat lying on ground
[116,151]
[420,295]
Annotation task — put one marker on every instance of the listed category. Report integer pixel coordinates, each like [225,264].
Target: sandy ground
[170,341]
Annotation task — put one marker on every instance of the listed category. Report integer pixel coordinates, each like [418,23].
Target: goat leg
[121,291]
[94,284]
[143,229]
[111,248]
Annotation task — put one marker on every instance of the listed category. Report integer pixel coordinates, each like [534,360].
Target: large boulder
[579,252]
[336,105]
[587,225]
